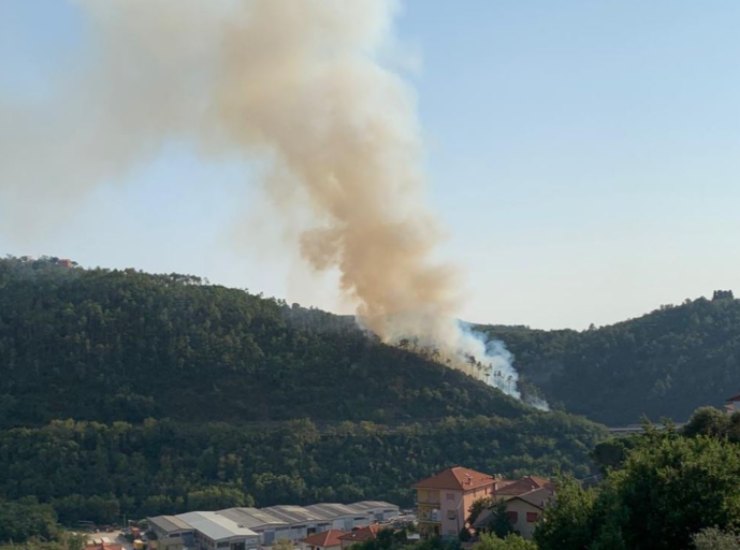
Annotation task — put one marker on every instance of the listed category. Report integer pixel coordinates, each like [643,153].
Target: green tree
[708,421]
[510,542]
[567,525]
[712,538]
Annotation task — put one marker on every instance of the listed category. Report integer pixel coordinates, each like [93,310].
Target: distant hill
[663,364]
[136,394]
[124,345]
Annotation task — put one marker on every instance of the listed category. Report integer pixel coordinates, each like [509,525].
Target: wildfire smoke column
[300,86]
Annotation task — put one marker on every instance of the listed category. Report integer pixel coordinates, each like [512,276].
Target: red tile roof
[734,398]
[523,485]
[537,497]
[456,478]
[364,533]
[326,539]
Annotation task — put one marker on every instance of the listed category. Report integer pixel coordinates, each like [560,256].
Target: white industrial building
[202,531]
[244,528]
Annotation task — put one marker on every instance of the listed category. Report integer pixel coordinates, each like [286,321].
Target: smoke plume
[301,84]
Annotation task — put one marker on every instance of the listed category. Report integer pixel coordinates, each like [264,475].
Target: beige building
[525,499]
[444,500]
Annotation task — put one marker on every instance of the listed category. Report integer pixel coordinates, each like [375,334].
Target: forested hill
[663,364]
[128,393]
[123,345]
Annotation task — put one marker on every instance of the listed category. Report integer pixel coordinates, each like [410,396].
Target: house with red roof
[326,540]
[444,500]
[523,510]
[360,535]
[523,485]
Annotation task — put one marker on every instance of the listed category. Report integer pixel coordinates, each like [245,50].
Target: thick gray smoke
[298,83]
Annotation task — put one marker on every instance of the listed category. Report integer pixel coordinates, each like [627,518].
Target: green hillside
[123,345]
[128,393]
[663,364]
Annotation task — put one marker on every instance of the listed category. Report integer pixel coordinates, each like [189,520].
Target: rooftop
[368,505]
[456,478]
[294,514]
[326,539]
[363,534]
[332,510]
[523,485]
[253,518]
[216,526]
[170,524]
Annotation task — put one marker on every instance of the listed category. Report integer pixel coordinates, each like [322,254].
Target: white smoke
[299,83]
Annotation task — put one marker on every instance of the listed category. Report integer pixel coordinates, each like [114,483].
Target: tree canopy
[663,364]
[669,488]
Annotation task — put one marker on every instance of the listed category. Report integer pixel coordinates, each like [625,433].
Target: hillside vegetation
[123,345]
[663,364]
[128,393]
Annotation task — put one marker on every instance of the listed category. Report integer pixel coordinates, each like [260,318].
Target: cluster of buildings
[244,528]
[445,499]
[444,502]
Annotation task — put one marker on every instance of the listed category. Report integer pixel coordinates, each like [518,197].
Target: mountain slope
[663,364]
[123,345]
[136,394]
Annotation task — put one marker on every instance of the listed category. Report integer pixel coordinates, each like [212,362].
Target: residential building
[328,540]
[360,535]
[444,500]
[523,485]
[525,500]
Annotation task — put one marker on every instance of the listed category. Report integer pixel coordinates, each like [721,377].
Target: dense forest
[123,393]
[97,472]
[663,364]
[123,345]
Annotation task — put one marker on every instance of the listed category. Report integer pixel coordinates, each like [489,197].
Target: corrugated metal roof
[373,505]
[294,514]
[456,478]
[216,526]
[170,524]
[254,518]
[332,510]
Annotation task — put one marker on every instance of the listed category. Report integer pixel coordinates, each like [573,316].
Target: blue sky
[583,157]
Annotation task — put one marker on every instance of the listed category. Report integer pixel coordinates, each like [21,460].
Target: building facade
[444,500]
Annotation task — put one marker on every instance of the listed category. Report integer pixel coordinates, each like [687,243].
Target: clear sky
[584,158]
